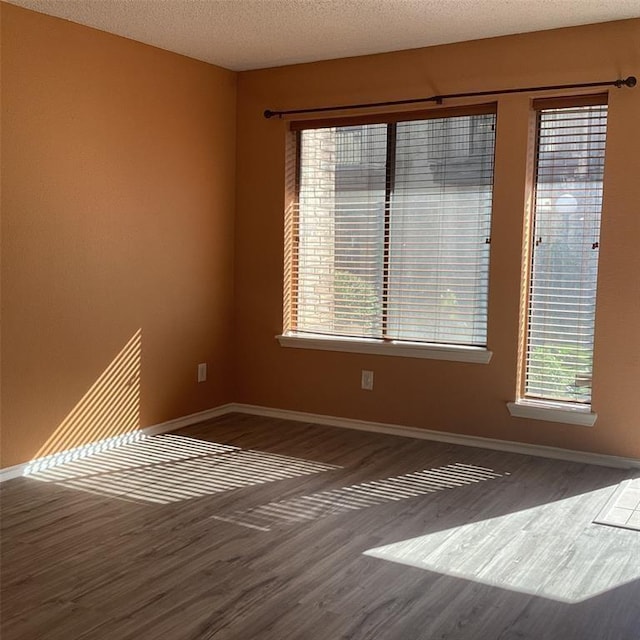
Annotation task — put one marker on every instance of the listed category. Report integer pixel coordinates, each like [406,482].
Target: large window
[564,253]
[390,236]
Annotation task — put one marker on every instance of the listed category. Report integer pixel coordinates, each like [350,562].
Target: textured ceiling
[252,34]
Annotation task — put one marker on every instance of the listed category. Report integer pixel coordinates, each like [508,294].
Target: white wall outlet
[367,380]
[202,372]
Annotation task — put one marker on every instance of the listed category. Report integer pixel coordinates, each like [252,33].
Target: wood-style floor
[254,528]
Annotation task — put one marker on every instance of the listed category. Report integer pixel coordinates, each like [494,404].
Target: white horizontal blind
[440,230]
[338,269]
[393,230]
[566,228]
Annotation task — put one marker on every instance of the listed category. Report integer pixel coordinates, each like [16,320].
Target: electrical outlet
[202,372]
[367,380]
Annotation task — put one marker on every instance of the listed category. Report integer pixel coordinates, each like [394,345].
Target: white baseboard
[187,421]
[347,423]
[77,453]
[443,436]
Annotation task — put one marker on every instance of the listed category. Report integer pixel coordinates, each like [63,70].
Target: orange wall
[448,396]
[121,196]
[118,176]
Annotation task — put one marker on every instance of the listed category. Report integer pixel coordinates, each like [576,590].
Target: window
[563,252]
[390,236]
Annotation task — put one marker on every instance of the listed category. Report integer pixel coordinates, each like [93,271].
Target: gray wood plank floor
[247,527]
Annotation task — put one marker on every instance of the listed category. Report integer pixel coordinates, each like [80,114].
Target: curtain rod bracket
[630,82]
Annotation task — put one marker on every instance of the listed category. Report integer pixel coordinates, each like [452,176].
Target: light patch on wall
[170,468]
[107,415]
[532,551]
[359,496]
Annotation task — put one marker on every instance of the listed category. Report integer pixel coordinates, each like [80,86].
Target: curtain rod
[626,82]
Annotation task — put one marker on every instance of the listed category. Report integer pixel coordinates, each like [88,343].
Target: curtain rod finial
[631,81]
[268,113]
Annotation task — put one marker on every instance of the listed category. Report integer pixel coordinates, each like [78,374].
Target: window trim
[563,412]
[374,346]
[566,412]
[484,108]
[526,406]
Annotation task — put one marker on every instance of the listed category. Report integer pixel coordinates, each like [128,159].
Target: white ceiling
[253,34]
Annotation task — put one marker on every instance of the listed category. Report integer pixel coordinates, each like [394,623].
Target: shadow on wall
[107,415]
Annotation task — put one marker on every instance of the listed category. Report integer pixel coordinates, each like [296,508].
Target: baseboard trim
[77,453]
[510,446]
[9,473]
[188,420]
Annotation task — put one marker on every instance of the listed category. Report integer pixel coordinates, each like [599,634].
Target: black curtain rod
[627,82]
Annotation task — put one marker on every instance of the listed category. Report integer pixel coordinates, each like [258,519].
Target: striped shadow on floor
[312,506]
[170,468]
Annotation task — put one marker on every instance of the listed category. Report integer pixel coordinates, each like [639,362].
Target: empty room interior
[320,320]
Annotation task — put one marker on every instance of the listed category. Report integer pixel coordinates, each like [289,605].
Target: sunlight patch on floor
[359,496]
[169,468]
[545,550]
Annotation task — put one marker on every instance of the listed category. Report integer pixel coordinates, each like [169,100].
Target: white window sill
[454,353]
[553,412]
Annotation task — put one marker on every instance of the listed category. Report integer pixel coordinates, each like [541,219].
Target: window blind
[392,230]
[564,253]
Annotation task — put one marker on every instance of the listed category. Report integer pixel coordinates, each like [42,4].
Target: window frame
[525,406]
[379,346]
